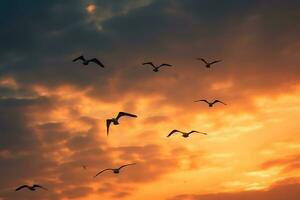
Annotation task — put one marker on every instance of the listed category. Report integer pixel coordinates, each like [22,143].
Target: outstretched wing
[215,62]
[198,132]
[39,186]
[102,172]
[204,100]
[95,60]
[21,187]
[126,165]
[121,114]
[218,101]
[108,122]
[149,63]
[203,60]
[164,64]
[79,58]
[172,132]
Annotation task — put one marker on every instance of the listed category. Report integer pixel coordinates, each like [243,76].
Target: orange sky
[53,111]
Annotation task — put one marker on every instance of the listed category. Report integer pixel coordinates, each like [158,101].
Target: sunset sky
[53,111]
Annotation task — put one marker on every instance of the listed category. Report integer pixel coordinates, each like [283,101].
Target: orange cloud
[90,8]
[280,191]
[288,164]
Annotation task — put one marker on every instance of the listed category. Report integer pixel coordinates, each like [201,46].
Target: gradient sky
[53,111]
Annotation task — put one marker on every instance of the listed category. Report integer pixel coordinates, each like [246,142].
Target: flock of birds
[115,120]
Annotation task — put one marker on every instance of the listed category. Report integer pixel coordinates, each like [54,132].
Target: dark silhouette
[184,134]
[155,69]
[210,104]
[86,62]
[208,64]
[114,170]
[84,167]
[32,188]
[115,121]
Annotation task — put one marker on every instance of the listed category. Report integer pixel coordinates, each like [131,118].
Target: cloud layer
[53,111]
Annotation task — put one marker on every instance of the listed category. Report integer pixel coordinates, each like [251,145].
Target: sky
[53,111]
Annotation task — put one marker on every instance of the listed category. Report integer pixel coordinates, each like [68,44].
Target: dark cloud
[186,29]
[16,134]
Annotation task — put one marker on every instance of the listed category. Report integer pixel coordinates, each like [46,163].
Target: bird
[32,188]
[210,104]
[86,62]
[115,121]
[114,170]
[184,134]
[156,68]
[208,64]
[84,167]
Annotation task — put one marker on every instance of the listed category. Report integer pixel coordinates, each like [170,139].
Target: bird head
[115,122]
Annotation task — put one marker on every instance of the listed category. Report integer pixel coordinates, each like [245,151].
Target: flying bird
[210,104]
[208,64]
[32,188]
[156,68]
[114,170]
[86,62]
[115,121]
[184,134]
[84,167]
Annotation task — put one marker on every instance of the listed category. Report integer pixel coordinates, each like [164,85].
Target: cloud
[52,110]
[101,11]
[52,153]
[288,164]
[77,192]
[278,192]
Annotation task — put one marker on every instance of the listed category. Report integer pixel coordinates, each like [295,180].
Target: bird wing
[149,63]
[102,172]
[204,100]
[164,64]
[215,62]
[38,186]
[21,187]
[79,58]
[198,132]
[126,165]
[218,101]
[172,132]
[121,114]
[203,60]
[108,122]
[95,60]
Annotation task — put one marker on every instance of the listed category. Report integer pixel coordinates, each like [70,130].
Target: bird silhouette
[156,68]
[84,167]
[184,134]
[208,64]
[32,188]
[210,104]
[86,62]
[115,121]
[114,170]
